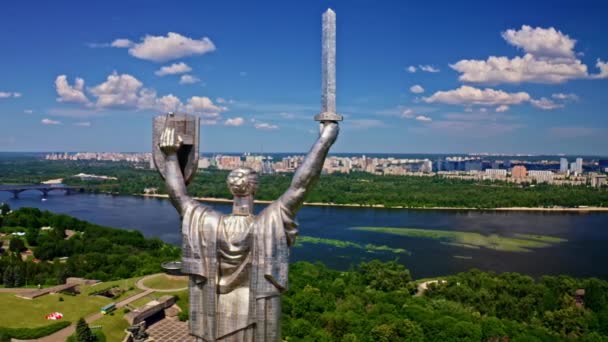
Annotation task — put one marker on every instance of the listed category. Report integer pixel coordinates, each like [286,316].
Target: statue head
[243,182]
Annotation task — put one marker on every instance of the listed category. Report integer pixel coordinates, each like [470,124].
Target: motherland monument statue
[238,263]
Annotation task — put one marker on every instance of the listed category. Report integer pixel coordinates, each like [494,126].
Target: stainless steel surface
[187,126]
[238,263]
[328,69]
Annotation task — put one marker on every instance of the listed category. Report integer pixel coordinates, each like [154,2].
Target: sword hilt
[328,116]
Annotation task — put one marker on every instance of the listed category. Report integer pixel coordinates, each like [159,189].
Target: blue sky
[412,77]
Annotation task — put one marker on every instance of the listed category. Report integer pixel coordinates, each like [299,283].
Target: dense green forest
[93,251]
[354,188]
[375,302]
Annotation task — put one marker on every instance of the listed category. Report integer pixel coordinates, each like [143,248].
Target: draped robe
[238,267]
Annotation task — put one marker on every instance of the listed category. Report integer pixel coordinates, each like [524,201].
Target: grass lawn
[113,326]
[165,282]
[122,283]
[26,313]
[519,243]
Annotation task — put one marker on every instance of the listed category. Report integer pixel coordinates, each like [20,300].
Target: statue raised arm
[308,173]
[170,143]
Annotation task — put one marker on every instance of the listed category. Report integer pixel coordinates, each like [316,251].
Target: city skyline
[422,78]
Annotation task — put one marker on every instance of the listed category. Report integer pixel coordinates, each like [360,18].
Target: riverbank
[317,204]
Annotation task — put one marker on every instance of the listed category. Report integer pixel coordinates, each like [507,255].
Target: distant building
[598,181]
[579,165]
[519,171]
[573,168]
[204,163]
[541,176]
[472,165]
[563,165]
[427,166]
[496,173]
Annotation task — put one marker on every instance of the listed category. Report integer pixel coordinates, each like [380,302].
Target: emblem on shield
[186,126]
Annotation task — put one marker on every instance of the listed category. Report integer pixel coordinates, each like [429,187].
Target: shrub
[183,316]
[33,333]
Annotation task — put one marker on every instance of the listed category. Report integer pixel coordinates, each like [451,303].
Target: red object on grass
[54,316]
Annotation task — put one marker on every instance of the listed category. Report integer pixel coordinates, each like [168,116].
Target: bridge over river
[44,188]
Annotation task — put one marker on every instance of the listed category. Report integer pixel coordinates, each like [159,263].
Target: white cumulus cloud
[265,126]
[173,69]
[120,91]
[549,57]
[545,104]
[565,97]
[423,118]
[411,69]
[502,108]
[428,68]
[204,106]
[124,91]
[188,79]
[603,66]
[46,121]
[467,95]
[417,89]
[166,48]
[407,113]
[546,42]
[7,94]
[68,93]
[238,121]
[121,43]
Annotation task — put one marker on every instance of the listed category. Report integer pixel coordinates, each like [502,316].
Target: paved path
[15,290]
[63,334]
[140,284]
[170,330]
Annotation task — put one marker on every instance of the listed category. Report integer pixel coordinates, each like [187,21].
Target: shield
[187,126]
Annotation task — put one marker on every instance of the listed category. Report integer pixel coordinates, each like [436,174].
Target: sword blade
[328,62]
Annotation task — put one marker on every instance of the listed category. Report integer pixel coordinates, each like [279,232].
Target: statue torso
[234,247]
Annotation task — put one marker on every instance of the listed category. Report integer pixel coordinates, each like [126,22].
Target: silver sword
[328,66]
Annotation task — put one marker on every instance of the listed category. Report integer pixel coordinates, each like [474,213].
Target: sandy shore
[225,200]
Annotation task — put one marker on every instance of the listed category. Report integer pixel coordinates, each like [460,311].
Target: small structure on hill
[579,298]
[172,268]
[152,308]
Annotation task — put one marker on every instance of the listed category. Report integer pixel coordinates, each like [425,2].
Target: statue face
[243,182]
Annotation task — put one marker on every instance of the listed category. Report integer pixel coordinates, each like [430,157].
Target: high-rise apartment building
[579,165]
[563,165]
[519,171]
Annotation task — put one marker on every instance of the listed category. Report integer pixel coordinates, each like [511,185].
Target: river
[583,255]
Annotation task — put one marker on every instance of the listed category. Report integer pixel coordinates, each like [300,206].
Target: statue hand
[329,131]
[169,142]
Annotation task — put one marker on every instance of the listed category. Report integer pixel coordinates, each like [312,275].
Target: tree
[18,276]
[83,332]
[4,209]
[9,280]
[386,276]
[16,245]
